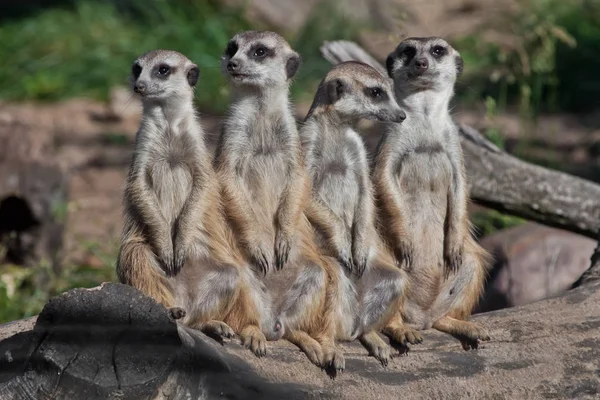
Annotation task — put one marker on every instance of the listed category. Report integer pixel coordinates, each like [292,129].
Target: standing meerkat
[419,179]
[266,188]
[342,205]
[176,246]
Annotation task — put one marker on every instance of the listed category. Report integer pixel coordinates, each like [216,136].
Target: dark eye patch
[438,51]
[376,93]
[259,51]
[136,70]
[232,48]
[408,52]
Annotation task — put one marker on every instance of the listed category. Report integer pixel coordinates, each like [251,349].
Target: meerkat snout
[421,65]
[356,90]
[164,74]
[260,59]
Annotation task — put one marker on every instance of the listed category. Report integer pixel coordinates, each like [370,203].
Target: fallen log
[114,342]
[33,197]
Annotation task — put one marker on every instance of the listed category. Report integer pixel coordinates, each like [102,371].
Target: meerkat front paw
[166,258]
[404,255]
[283,245]
[180,256]
[360,257]
[261,257]
[344,255]
[453,256]
[345,261]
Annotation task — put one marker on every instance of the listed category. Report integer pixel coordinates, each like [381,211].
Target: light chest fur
[422,172]
[267,143]
[169,150]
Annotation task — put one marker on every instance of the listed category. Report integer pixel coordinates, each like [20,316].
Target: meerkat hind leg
[469,333]
[333,357]
[376,347]
[402,334]
[384,291]
[307,345]
[217,330]
[255,340]
[306,301]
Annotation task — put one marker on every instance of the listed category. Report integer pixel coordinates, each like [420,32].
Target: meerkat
[266,188]
[175,245]
[419,179]
[342,205]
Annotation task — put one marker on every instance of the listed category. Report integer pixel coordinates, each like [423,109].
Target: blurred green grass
[25,290]
[544,58]
[85,47]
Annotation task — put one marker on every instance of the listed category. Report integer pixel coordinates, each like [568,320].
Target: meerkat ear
[192,75]
[335,90]
[389,64]
[459,65]
[292,65]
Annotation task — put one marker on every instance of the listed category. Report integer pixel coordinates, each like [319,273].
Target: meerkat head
[260,59]
[355,90]
[164,74]
[424,64]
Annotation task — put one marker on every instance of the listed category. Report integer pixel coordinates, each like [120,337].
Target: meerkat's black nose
[401,116]
[139,87]
[421,64]
[232,66]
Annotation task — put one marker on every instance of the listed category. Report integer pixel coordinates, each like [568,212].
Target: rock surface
[113,342]
[533,262]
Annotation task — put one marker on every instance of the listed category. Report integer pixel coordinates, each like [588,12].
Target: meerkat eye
[136,70]
[260,52]
[438,51]
[376,92]
[163,70]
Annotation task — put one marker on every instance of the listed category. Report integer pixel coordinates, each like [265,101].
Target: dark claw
[360,267]
[260,260]
[404,257]
[169,267]
[265,263]
[452,263]
[179,262]
[346,263]
[282,253]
